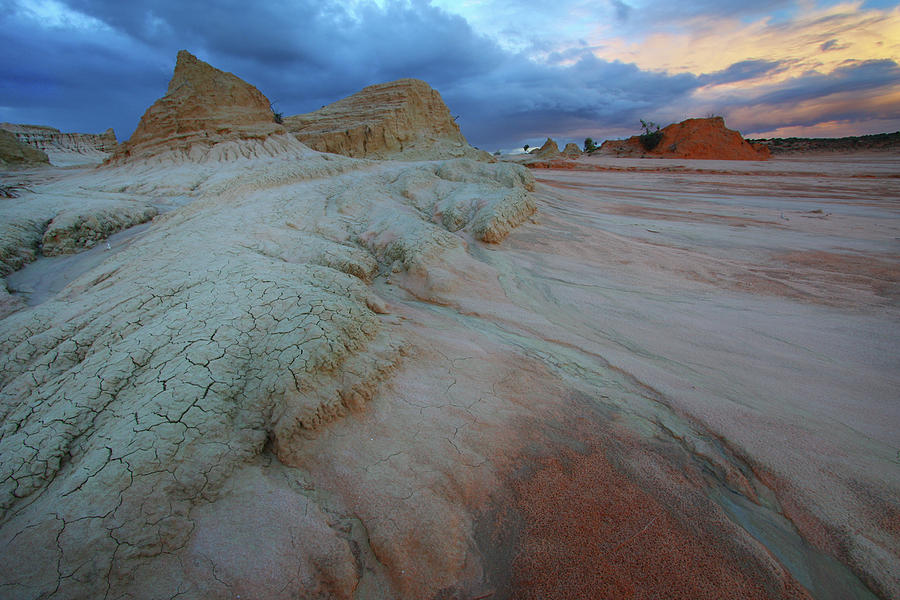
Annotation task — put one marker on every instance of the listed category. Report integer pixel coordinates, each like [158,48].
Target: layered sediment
[203,107]
[65,148]
[16,153]
[404,119]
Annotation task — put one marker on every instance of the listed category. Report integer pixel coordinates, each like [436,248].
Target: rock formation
[63,223]
[65,148]
[549,150]
[16,153]
[189,373]
[202,107]
[402,119]
[317,376]
[233,331]
[693,138]
[572,150]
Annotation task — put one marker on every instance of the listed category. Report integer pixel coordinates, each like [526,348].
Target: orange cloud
[818,40]
[880,110]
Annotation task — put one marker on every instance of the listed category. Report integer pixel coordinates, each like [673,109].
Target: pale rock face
[404,119]
[202,107]
[65,149]
[15,152]
[227,335]
[75,229]
[61,222]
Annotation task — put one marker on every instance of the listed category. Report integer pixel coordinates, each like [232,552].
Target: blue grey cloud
[304,54]
[857,77]
[742,71]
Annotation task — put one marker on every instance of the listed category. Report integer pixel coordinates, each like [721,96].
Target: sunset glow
[514,72]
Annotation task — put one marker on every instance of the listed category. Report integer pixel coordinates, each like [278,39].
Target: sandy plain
[678,379]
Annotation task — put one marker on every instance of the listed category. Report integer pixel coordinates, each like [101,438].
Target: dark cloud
[742,71]
[623,9]
[863,79]
[856,77]
[831,44]
[525,100]
[303,54]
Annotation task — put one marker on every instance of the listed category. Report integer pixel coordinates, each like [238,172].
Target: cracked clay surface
[232,329]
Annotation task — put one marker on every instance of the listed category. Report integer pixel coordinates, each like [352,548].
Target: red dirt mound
[693,138]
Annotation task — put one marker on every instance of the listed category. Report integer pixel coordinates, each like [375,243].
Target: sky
[514,72]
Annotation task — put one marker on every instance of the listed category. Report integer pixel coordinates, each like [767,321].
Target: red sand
[592,533]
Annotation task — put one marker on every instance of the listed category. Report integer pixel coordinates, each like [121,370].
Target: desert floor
[724,327]
[679,379]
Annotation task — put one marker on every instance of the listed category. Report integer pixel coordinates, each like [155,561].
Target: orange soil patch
[590,532]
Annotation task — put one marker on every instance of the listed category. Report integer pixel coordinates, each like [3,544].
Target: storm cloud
[85,65]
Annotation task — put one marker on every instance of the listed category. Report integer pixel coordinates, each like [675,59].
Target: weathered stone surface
[695,139]
[404,119]
[202,107]
[75,229]
[62,222]
[549,150]
[234,329]
[16,153]
[65,148]
[572,150]
[310,378]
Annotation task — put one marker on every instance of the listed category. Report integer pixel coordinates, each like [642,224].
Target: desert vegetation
[651,135]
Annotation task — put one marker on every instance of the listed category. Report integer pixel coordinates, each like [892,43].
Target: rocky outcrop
[55,224]
[74,230]
[549,150]
[182,369]
[202,107]
[50,139]
[571,150]
[16,153]
[402,119]
[694,139]
[65,149]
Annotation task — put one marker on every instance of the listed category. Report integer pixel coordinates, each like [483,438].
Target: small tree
[589,145]
[652,135]
[278,117]
[526,147]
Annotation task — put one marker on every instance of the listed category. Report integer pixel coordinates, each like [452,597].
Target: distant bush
[589,145]
[652,135]
[526,147]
